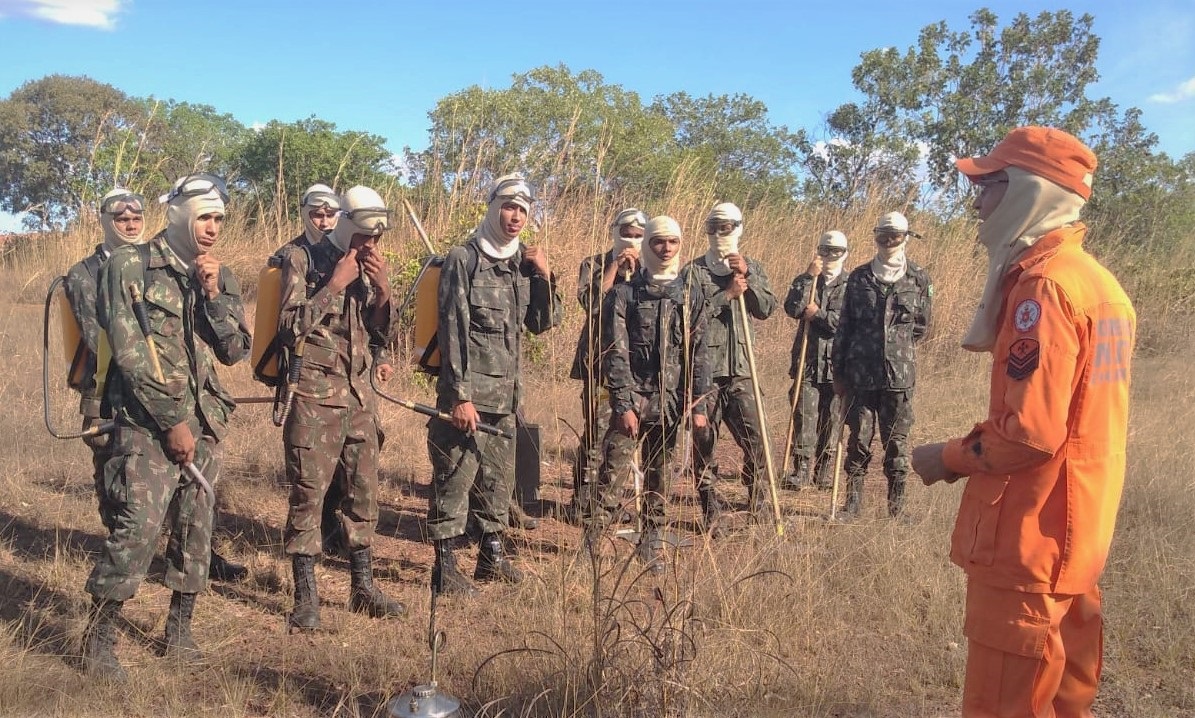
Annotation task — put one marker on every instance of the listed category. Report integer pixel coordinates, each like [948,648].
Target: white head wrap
[831,268]
[657,271]
[317,196]
[362,211]
[723,245]
[628,217]
[182,209]
[491,236]
[112,237]
[890,263]
[1032,207]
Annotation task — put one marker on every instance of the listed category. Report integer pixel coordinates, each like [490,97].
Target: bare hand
[737,286]
[375,267]
[815,267]
[810,310]
[538,259]
[929,465]
[464,416]
[95,441]
[180,444]
[737,264]
[346,272]
[700,421]
[628,423]
[207,271]
[628,259]
[384,372]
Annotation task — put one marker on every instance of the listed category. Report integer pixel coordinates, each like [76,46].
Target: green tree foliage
[182,138]
[59,146]
[282,159]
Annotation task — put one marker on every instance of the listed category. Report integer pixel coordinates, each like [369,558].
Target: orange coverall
[1046,473]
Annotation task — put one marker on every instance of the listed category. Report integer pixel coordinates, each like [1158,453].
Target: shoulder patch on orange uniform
[1027,315]
[1023,357]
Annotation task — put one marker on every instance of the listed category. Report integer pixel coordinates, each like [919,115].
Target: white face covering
[890,263]
[317,196]
[831,268]
[181,212]
[1031,208]
[115,203]
[362,212]
[626,218]
[491,236]
[657,271]
[723,245]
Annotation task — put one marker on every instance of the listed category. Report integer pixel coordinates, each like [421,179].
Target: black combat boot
[798,478]
[493,564]
[651,551]
[896,496]
[711,509]
[854,498]
[221,569]
[520,519]
[824,474]
[99,642]
[364,596]
[446,577]
[179,646]
[305,616]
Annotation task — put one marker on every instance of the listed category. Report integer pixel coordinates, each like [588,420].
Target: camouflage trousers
[815,423]
[101,451]
[733,402]
[470,473]
[140,482]
[325,444]
[892,411]
[655,445]
[596,455]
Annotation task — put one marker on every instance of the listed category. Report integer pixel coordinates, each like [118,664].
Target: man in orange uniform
[1047,466]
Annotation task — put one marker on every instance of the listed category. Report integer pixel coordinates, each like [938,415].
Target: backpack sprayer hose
[433,411]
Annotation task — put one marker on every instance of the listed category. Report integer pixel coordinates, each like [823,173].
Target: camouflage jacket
[878,328]
[480,326]
[724,335]
[80,286]
[586,364]
[819,361]
[339,331]
[189,331]
[654,344]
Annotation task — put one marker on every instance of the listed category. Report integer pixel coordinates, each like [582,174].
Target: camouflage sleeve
[922,320]
[798,296]
[381,321]
[165,403]
[299,314]
[221,321]
[761,302]
[381,354]
[589,286]
[699,358]
[545,309]
[616,358]
[452,299]
[80,287]
[842,337]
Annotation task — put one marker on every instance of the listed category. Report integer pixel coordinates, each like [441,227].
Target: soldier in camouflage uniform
[721,276]
[815,421]
[170,409]
[598,275]
[337,308]
[885,312]
[653,366]
[491,288]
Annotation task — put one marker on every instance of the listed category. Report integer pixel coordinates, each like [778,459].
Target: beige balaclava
[362,211]
[317,196]
[831,268]
[628,217]
[722,245]
[890,263]
[185,203]
[658,272]
[1031,208]
[491,237]
[113,204]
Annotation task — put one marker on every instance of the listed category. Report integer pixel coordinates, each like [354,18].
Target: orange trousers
[1031,655]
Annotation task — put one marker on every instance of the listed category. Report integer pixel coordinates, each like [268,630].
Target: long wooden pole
[763,424]
[797,380]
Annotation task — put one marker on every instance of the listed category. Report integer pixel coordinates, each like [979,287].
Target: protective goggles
[319,198]
[369,219]
[721,226]
[197,185]
[632,217]
[130,201]
[830,252]
[513,189]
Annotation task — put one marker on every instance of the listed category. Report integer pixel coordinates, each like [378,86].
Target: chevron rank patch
[1023,358]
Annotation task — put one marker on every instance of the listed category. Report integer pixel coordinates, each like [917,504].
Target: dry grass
[831,620]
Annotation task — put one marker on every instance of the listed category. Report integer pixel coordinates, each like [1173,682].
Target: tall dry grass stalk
[831,620]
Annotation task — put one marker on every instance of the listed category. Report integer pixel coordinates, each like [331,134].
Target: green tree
[58,140]
[182,138]
[282,159]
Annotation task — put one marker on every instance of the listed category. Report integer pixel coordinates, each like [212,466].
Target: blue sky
[381,66]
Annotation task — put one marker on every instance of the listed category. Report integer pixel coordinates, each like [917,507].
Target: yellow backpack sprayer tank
[427,315]
[265,353]
[78,359]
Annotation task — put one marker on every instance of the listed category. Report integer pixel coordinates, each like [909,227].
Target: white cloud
[100,14]
[1184,91]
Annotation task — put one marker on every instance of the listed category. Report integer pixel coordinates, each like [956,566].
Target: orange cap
[1046,152]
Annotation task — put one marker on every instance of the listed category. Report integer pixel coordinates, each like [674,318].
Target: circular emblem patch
[1026,315]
